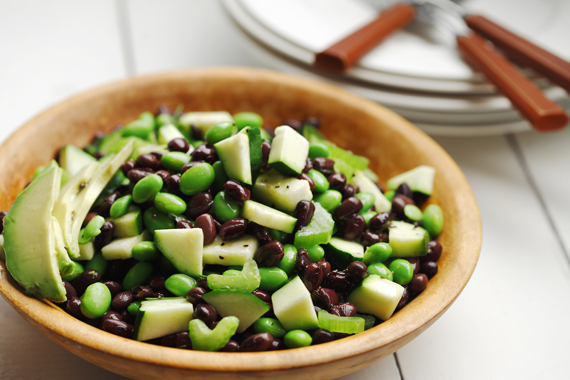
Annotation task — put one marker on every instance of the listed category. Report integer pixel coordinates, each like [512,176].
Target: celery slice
[318,231]
[334,323]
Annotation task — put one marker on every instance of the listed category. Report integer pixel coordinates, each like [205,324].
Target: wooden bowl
[392,144]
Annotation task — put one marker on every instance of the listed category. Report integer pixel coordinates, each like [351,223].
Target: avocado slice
[79,194]
[32,256]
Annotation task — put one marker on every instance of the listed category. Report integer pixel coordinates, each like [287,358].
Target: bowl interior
[392,144]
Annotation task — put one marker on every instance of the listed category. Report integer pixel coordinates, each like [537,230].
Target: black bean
[114,287]
[195,294]
[434,251]
[110,314]
[128,166]
[347,208]
[270,254]
[337,280]
[324,165]
[313,120]
[73,307]
[122,300]
[183,224]
[302,260]
[85,279]
[204,152]
[415,262]
[354,227]
[231,346]
[104,208]
[368,238]
[173,183]
[262,295]
[141,292]
[256,343]
[313,276]
[399,202]
[349,191]
[157,281]
[265,149]
[295,124]
[203,283]
[379,222]
[206,223]
[196,133]
[404,299]
[337,181]
[120,328]
[308,165]
[326,297]
[199,204]
[405,190]
[429,268]
[183,340]
[137,174]
[106,235]
[233,229]
[260,233]
[345,309]
[178,144]
[322,336]
[325,265]
[419,283]
[168,340]
[148,160]
[357,270]
[307,178]
[237,191]
[304,213]
[164,174]
[206,313]
[69,290]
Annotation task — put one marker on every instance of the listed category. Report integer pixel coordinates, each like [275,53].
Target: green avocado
[33,255]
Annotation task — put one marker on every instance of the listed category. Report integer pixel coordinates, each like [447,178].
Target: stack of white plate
[417,71]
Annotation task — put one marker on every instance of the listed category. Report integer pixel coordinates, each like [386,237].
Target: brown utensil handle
[522,51]
[526,97]
[345,53]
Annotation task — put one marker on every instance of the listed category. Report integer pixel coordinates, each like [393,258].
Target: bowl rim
[394,329]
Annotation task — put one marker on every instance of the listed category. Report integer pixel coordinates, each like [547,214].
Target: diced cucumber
[204,339]
[335,323]
[86,251]
[419,179]
[281,192]
[268,217]
[407,240]
[235,252]
[340,253]
[376,296]
[235,155]
[203,120]
[318,231]
[381,203]
[248,279]
[293,306]
[289,151]
[167,133]
[130,224]
[73,159]
[238,303]
[121,249]
[312,134]
[183,247]
[157,318]
[255,159]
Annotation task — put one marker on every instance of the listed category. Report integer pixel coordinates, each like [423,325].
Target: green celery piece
[248,279]
[254,134]
[204,339]
[318,231]
[341,166]
[312,134]
[354,160]
[346,325]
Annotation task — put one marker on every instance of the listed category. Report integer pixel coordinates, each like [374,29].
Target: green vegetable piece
[96,300]
[165,119]
[341,166]
[147,188]
[220,176]
[155,219]
[174,161]
[297,338]
[287,263]
[318,231]
[346,325]
[316,252]
[145,251]
[238,303]
[271,326]
[377,253]
[141,128]
[330,199]
[220,131]
[92,229]
[272,278]
[367,215]
[77,270]
[247,280]
[403,271]
[137,275]
[413,212]
[169,203]
[247,119]
[317,149]
[278,235]
[197,179]
[120,206]
[390,194]
[433,220]
[97,263]
[179,284]
[256,161]
[321,182]
[369,320]
[204,339]
[225,207]
[312,134]
[381,270]
[232,272]
[133,308]
[367,200]
[356,161]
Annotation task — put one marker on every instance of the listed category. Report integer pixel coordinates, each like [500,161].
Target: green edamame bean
[96,300]
[120,206]
[92,229]
[330,199]
[142,127]
[77,270]
[137,275]
[231,272]
[147,188]
[367,200]
[403,271]
[287,263]
[321,182]
[220,176]
[225,207]
[197,179]
[278,235]
[317,149]
[433,220]
[271,326]
[145,251]
[220,131]
[297,338]
[155,219]
[98,263]
[377,253]
[390,194]
[174,161]
[316,252]
[413,212]
[179,284]
[133,308]
[381,270]
[247,119]
[196,143]
[272,278]
[367,215]
[171,203]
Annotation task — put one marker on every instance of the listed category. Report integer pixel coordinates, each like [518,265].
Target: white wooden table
[511,322]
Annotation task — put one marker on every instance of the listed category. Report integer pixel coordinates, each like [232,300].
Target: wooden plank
[510,322]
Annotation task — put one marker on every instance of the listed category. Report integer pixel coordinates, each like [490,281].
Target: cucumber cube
[340,252]
[183,247]
[235,252]
[293,306]
[289,151]
[121,249]
[167,133]
[160,317]
[234,154]
[238,303]
[203,120]
[419,179]
[381,203]
[268,217]
[407,240]
[283,193]
[376,296]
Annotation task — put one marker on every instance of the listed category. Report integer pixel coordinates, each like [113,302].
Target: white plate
[300,28]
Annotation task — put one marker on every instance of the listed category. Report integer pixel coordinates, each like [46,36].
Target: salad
[209,231]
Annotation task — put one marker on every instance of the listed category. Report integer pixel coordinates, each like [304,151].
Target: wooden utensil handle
[522,51]
[526,97]
[344,54]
